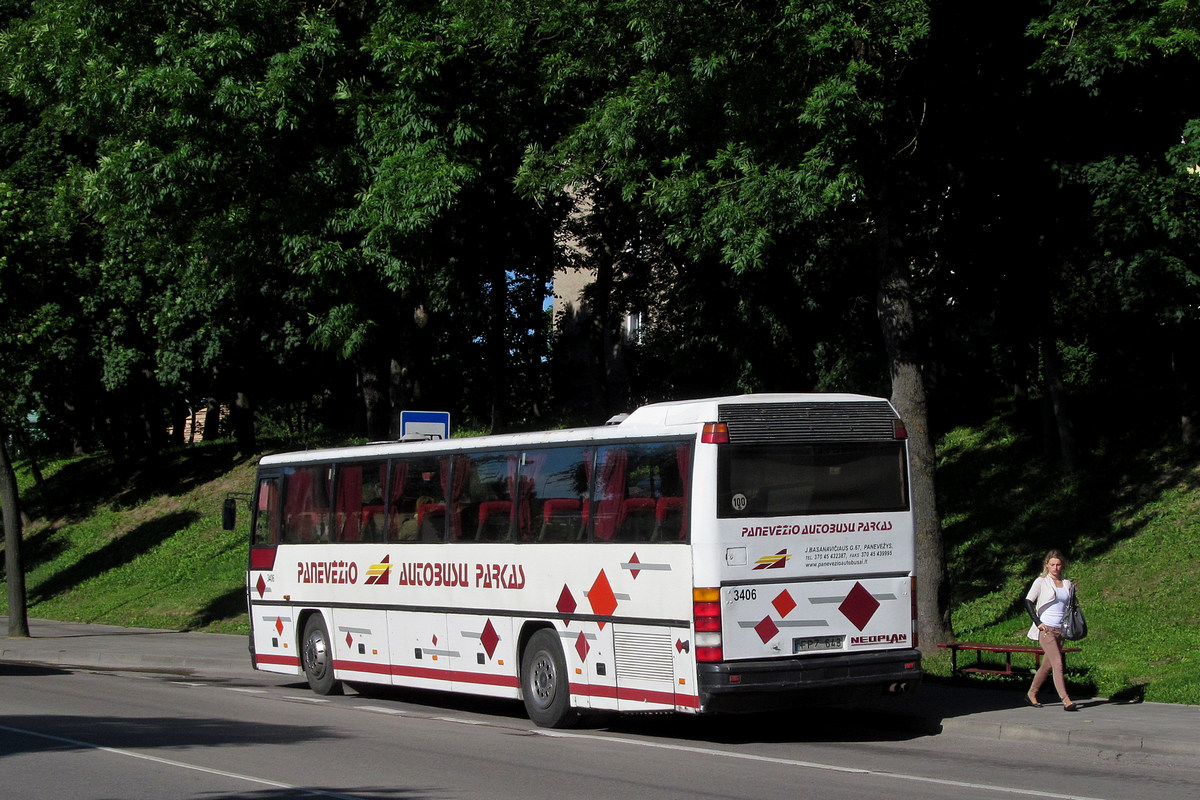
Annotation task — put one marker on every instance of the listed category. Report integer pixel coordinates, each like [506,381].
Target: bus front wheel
[544,682]
[316,656]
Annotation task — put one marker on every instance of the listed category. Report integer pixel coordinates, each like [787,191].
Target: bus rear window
[803,479]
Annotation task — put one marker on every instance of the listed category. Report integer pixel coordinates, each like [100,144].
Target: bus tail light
[898,429]
[913,592]
[715,433]
[706,610]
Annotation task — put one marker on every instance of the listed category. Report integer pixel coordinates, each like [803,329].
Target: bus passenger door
[272,624]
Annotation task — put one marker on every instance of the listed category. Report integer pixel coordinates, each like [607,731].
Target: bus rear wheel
[544,682]
[316,656]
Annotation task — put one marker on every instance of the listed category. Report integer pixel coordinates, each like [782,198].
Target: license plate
[811,643]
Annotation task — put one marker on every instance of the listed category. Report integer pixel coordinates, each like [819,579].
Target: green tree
[209,141]
[1140,63]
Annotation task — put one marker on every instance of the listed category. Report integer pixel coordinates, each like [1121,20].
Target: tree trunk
[14,567]
[212,419]
[242,415]
[1183,368]
[1057,391]
[896,320]
[374,398]
[39,480]
[397,397]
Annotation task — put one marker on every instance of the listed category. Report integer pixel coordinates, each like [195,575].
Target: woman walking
[1046,603]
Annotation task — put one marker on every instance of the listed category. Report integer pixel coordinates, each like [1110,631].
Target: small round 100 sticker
[739,502]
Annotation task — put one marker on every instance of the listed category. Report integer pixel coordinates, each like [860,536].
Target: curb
[1119,742]
[131,661]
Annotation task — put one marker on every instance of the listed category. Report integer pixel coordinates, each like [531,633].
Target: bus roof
[685,415]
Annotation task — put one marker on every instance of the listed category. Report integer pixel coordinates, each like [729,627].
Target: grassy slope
[138,546]
[1129,521]
[144,547]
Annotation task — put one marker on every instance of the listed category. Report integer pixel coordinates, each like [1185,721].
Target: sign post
[430,424]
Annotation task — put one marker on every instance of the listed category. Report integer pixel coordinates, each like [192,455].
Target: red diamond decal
[566,603]
[634,572]
[489,638]
[766,630]
[435,640]
[600,597]
[784,603]
[261,586]
[582,647]
[859,606]
[681,646]
[349,640]
[279,625]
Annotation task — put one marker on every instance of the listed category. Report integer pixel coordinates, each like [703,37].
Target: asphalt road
[81,733]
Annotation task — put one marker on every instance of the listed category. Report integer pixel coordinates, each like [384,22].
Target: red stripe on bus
[510,681]
[636,695]
[428,673]
[287,661]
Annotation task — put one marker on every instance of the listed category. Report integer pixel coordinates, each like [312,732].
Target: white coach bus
[726,554]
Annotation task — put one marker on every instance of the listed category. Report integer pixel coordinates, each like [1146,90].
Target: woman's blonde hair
[1046,561]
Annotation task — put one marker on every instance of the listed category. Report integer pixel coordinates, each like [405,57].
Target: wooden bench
[1007,649]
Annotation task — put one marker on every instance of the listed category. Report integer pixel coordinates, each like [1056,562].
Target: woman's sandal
[1070,707]
[1032,701]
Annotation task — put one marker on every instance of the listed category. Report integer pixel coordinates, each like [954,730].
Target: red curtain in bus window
[683,456]
[611,492]
[523,492]
[301,521]
[396,493]
[458,484]
[348,504]
[266,532]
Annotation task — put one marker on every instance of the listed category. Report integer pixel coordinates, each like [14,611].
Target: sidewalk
[937,707]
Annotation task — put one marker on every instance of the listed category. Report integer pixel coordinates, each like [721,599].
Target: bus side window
[671,505]
[416,504]
[306,504]
[641,493]
[358,502]
[486,499]
[266,514]
[553,490]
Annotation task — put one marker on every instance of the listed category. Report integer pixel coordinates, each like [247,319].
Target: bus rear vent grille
[760,423]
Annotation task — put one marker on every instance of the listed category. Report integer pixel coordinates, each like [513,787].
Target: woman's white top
[1053,615]
[1050,601]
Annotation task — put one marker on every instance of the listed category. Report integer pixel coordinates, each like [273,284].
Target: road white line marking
[244,691]
[790,762]
[381,710]
[179,764]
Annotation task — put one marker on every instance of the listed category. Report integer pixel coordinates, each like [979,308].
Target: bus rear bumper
[813,680]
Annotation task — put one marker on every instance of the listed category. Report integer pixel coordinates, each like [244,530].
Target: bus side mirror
[229,513]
